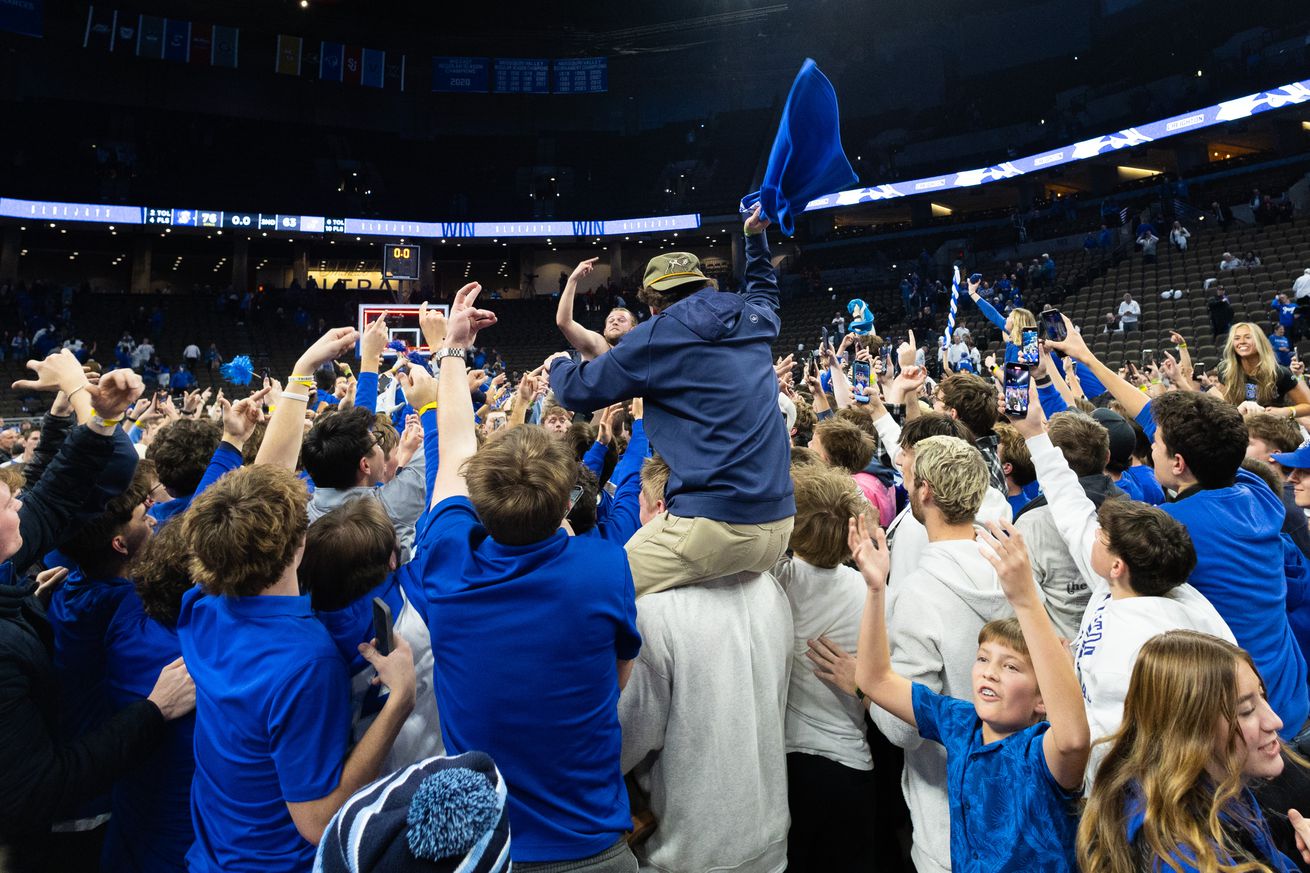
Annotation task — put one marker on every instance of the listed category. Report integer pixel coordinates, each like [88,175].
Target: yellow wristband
[427,406]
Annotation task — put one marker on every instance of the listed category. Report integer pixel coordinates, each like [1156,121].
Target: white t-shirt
[821,719]
[192,351]
[1130,311]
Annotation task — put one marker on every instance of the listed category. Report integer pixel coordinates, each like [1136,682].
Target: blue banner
[373,63]
[461,75]
[522,76]
[226,40]
[581,76]
[331,61]
[177,40]
[22,16]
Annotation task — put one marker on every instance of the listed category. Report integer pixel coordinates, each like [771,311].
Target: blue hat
[807,160]
[439,815]
[1297,460]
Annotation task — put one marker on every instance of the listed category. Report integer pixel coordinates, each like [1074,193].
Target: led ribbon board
[1222,113]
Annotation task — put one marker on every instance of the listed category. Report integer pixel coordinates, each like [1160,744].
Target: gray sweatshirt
[404,498]
[703,725]
[933,619]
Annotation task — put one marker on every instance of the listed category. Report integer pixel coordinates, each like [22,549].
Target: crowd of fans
[664,602]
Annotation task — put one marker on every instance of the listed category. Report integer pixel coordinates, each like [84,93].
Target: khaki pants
[671,551]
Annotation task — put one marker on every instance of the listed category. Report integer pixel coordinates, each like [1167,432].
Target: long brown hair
[1183,684]
[1233,375]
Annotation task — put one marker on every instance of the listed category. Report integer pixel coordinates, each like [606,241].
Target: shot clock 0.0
[400,261]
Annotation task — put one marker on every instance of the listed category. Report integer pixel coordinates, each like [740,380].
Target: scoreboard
[400,261]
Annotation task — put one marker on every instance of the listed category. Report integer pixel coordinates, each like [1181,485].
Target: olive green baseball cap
[669,271]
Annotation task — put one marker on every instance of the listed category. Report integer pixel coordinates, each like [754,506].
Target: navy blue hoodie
[704,368]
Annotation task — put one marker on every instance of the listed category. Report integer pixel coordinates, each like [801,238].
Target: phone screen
[1016,390]
[861,370]
[1028,354]
[889,359]
[382,626]
[1054,322]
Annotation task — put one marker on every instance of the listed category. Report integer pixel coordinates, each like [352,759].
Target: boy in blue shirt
[1015,757]
[1282,345]
[273,763]
[533,631]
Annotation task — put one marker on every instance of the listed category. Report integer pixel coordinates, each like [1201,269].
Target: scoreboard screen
[400,261]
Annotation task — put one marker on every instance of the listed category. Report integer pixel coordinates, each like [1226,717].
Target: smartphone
[889,359]
[816,356]
[382,626]
[823,339]
[1053,320]
[976,277]
[862,371]
[1028,354]
[1016,390]
[575,494]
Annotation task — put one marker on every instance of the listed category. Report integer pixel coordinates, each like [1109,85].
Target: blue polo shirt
[1008,814]
[272,726]
[150,829]
[526,641]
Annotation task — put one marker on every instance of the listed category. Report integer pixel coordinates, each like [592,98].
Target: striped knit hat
[438,815]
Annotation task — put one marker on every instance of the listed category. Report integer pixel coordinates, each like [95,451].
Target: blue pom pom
[451,811]
[396,345]
[239,370]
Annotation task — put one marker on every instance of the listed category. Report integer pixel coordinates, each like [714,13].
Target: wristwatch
[449,352]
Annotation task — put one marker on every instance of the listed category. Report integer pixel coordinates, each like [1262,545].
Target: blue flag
[807,159]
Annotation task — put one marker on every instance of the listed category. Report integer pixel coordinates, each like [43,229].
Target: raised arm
[989,312]
[1073,346]
[371,344]
[286,427]
[1073,512]
[1068,742]
[761,275]
[874,675]
[588,343]
[456,437]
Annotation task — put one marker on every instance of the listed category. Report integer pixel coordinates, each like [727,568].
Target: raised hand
[905,387]
[870,555]
[475,379]
[420,387]
[605,430]
[433,324]
[465,321]
[583,269]
[374,339]
[60,371]
[241,418]
[908,353]
[755,221]
[328,347]
[1073,345]
[117,390]
[1003,547]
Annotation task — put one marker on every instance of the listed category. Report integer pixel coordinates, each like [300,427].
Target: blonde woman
[1171,794]
[1249,372]
[1013,325]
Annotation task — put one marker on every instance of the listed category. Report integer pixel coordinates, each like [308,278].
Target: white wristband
[291,395]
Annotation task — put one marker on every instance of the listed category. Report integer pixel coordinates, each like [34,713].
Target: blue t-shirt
[1286,313]
[1282,349]
[1008,814]
[150,828]
[526,640]
[272,726]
